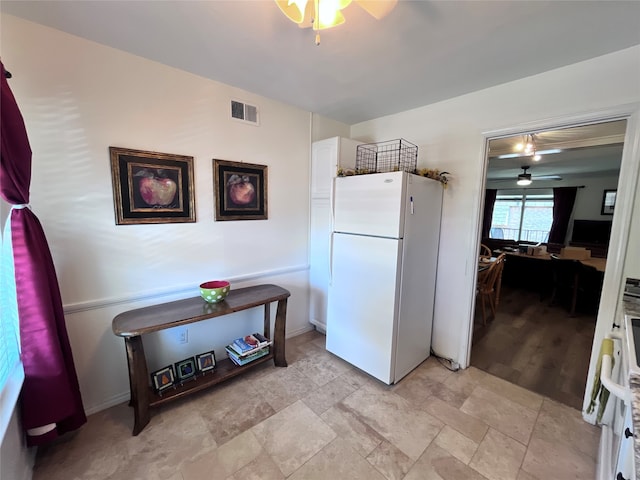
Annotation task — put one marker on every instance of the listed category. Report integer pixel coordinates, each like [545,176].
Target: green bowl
[214,291]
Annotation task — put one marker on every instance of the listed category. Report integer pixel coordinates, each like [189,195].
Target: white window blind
[523,216]
[9,333]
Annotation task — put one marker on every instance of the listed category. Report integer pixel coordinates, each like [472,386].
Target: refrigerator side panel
[418,279]
[362,302]
[370,204]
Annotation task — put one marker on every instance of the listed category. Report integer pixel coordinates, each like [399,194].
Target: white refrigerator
[384,255]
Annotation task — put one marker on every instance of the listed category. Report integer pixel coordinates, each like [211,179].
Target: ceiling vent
[244,112]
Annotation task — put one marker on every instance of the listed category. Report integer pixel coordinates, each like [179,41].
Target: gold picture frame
[240,190]
[152,187]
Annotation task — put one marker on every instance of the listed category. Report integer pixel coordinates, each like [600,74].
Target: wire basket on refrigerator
[390,156]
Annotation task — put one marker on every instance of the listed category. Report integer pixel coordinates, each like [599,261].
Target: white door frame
[628,183]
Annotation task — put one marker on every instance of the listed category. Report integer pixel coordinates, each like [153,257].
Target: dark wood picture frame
[206,361]
[240,190]
[185,369]
[163,378]
[152,187]
[608,202]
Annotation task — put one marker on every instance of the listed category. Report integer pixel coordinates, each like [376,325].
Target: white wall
[632,265]
[323,127]
[450,137]
[78,98]
[16,460]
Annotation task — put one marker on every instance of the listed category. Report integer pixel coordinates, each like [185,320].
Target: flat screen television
[591,231]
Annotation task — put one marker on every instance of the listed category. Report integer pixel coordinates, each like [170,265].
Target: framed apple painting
[152,187]
[241,190]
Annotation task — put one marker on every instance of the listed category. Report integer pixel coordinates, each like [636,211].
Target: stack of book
[246,349]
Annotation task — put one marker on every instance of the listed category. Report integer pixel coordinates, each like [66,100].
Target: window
[522,216]
[11,372]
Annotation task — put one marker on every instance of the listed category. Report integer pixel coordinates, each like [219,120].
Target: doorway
[541,335]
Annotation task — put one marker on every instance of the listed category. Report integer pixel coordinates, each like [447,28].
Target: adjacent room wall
[588,198]
[450,137]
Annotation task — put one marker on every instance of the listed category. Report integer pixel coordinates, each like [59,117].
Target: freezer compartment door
[363,305]
[371,204]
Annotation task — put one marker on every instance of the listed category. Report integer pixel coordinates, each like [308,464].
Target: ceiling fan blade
[377,8]
[547,177]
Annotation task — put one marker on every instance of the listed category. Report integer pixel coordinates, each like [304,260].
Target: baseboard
[111,402]
[320,326]
[299,331]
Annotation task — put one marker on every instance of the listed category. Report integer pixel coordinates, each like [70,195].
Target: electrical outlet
[184,336]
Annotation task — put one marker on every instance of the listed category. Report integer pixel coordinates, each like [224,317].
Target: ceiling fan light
[329,15]
[537,157]
[524,179]
[293,9]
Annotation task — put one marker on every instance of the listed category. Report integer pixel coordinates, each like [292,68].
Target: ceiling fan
[526,178]
[321,14]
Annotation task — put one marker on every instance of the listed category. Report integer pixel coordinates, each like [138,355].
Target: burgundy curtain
[489,202]
[563,200]
[50,398]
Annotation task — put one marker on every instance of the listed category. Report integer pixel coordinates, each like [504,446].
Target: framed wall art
[185,369]
[152,187]
[206,361]
[163,378]
[240,190]
[608,202]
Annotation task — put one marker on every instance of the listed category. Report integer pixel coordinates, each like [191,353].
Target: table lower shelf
[224,370]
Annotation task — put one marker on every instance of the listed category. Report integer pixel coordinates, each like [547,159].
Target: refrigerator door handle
[332,203]
[330,257]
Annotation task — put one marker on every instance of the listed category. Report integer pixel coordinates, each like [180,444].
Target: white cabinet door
[326,156]
[324,164]
[625,468]
[319,260]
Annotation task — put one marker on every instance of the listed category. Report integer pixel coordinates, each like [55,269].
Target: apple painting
[241,190]
[156,189]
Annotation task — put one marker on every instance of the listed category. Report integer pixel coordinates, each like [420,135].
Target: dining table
[598,263]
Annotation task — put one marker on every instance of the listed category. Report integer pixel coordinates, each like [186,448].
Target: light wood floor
[536,346]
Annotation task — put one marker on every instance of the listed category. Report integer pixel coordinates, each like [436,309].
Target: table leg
[138,375]
[267,320]
[280,327]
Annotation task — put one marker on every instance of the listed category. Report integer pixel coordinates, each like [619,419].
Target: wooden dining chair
[489,286]
[484,250]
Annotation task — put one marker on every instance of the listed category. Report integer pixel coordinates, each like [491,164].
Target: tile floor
[320,418]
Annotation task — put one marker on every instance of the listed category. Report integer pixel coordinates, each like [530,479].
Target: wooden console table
[133,324]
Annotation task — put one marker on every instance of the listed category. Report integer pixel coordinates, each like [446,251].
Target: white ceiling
[421,53]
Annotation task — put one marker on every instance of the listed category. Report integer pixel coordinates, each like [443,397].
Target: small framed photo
[240,190]
[185,369]
[163,378]
[152,187]
[608,202]
[205,362]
